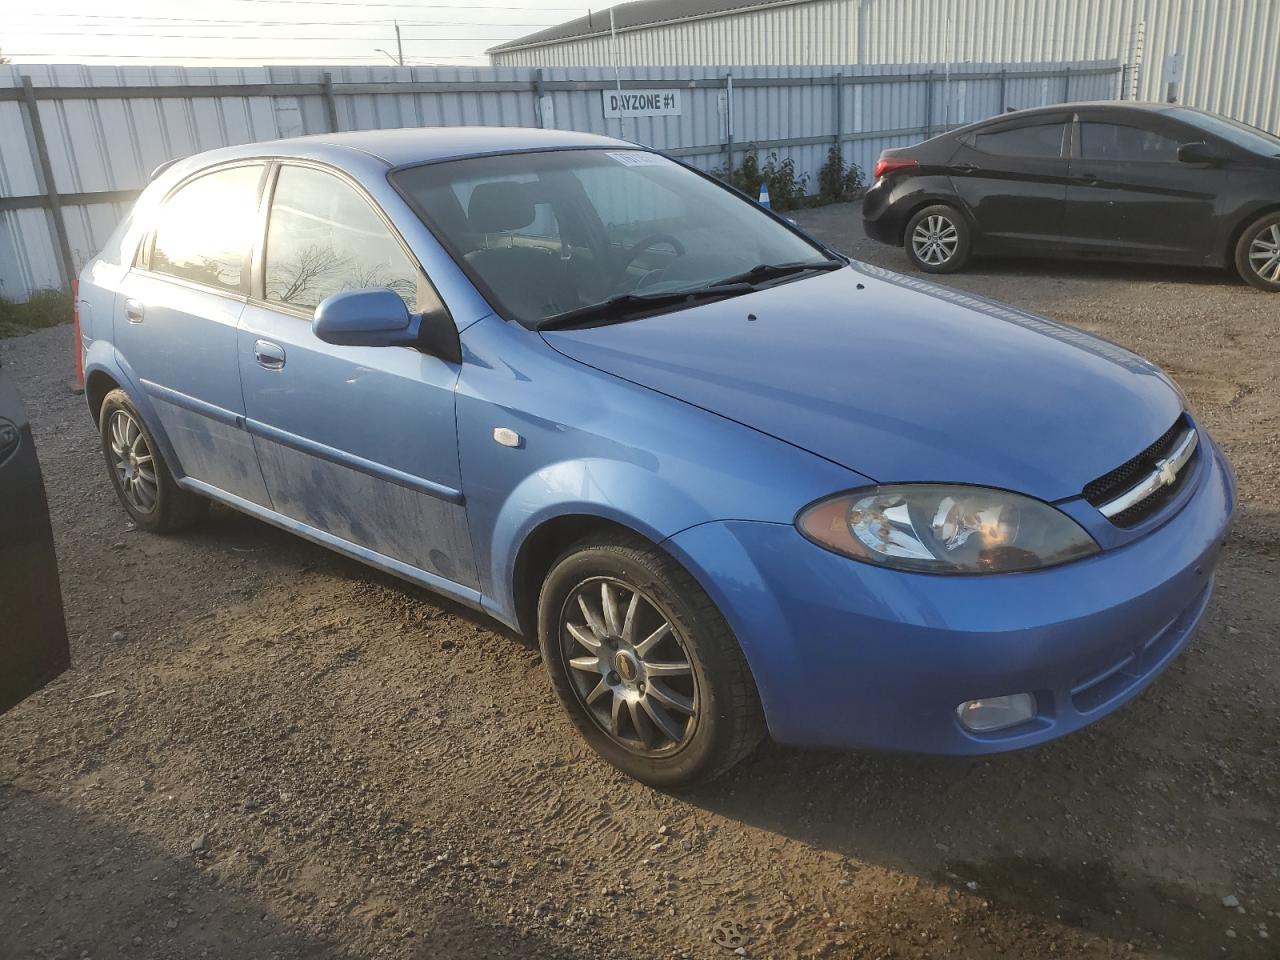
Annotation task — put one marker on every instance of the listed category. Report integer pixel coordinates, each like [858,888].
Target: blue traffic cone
[764,194]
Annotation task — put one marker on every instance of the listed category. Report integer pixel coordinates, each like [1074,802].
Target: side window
[205,229]
[324,238]
[1040,140]
[1111,141]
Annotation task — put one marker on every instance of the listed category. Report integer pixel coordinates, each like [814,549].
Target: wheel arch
[1243,224]
[920,203]
[96,387]
[543,545]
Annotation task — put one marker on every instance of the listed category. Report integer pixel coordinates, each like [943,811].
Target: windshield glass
[1233,131]
[542,234]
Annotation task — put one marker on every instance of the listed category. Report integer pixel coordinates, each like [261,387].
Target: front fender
[589,443]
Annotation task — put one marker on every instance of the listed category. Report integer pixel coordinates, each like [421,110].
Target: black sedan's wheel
[645,665]
[938,239]
[141,479]
[1258,253]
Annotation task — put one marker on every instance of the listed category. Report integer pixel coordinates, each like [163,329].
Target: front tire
[1258,253]
[938,239]
[645,665]
[141,478]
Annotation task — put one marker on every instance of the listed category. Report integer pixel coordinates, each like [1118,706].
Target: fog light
[996,713]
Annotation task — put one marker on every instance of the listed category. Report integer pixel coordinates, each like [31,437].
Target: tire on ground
[950,222]
[1258,253]
[174,507]
[729,720]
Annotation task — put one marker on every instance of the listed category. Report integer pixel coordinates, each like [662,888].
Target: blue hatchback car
[733,482]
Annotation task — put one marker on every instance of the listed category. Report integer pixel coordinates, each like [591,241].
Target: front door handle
[268,354]
[962,168]
[133,310]
[1088,179]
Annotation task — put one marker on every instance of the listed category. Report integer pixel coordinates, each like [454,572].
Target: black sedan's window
[1113,141]
[1038,140]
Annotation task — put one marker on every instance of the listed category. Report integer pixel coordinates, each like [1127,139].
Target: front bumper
[846,654]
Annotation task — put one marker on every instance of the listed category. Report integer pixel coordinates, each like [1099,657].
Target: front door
[357,442]
[1013,178]
[177,315]
[1130,196]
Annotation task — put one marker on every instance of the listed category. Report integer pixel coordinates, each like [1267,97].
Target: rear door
[1012,175]
[1130,195]
[176,324]
[33,636]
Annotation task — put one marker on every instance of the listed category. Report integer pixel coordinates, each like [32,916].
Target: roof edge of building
[536,39]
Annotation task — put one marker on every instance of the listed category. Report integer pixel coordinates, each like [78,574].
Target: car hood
[900,379]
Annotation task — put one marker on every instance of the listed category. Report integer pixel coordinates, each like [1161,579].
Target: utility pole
[399,48]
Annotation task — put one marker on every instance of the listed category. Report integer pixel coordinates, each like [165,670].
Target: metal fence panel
[106,128]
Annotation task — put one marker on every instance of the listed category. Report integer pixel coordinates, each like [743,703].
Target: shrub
[786,190]
[44,308]
[839,181]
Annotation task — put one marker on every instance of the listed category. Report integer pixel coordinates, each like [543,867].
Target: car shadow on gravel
[87,889]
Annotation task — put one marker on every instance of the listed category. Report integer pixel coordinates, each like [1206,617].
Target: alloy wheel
[629,666]
[935,240]
[1264,254]
[133,462]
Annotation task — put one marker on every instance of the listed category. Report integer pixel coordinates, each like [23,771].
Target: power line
[416,6]
[278,23]
[207,36]
[318,59]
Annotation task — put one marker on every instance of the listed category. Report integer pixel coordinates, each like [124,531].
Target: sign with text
[641,103]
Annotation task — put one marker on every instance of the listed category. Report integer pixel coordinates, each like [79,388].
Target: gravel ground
[265,750]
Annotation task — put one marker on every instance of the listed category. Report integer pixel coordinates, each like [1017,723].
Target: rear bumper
[878,219]
[850,655]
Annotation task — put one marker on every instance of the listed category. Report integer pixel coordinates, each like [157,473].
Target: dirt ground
[268,751]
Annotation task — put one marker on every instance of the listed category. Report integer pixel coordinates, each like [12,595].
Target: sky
[255,32]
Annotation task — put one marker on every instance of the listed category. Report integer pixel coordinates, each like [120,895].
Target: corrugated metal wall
[1230,49]
[102,147]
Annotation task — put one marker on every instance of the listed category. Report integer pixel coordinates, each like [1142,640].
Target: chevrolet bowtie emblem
[1167,474]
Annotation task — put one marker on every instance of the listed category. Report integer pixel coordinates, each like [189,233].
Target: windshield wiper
[627,306]
[774,271]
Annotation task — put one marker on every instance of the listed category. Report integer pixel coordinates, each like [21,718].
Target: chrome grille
[1139,487]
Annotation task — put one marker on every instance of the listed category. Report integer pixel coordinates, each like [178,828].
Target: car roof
[1120,106]
[411,145]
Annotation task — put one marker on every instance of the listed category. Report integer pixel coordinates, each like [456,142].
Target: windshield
[1241,134]
[543,234]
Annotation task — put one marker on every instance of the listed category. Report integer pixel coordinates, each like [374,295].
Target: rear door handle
[962,168]
[1087,178]
[268,354]
[133,310]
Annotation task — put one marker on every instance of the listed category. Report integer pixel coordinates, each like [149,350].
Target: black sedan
[33,636]
[1140,181]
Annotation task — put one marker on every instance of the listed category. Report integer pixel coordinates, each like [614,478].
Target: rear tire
[1258,253]
[141,478]
[938,239]
[672,712]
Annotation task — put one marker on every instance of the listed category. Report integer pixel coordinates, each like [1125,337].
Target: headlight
[942,528]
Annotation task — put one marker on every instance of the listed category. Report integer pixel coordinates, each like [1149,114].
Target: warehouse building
[1221,55]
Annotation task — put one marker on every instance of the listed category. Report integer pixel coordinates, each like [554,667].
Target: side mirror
[1199,152]
[379,318]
